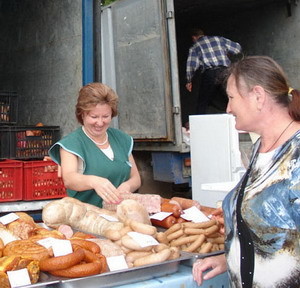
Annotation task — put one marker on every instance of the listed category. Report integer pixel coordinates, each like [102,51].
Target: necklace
[280,135]
[97,143]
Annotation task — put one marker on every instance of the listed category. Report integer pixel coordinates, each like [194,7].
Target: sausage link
[62,262]
[86,244]
[165,223]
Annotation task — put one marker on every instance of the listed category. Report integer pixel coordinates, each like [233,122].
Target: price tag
[47,242]
[116,263]
[194,214]
[160,215]
[142,239]
[109,218]
[18,278]
[8,218]
[61,247]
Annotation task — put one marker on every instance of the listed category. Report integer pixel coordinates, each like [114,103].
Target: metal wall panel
[142,68]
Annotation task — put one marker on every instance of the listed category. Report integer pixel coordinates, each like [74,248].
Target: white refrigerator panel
[215,155]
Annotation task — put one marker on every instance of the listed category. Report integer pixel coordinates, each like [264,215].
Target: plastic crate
[8,107]
[11,180]
[27,142]
[41,181]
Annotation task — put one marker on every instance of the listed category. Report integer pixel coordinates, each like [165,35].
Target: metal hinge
[176,110]
[170,14]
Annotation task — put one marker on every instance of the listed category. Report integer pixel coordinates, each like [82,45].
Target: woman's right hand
[217,264]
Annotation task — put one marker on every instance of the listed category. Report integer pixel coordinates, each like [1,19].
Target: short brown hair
[95,93]
[196,32]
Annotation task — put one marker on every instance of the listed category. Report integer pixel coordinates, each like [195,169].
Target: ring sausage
[93,266]
[62,262]
[79,270]
[86,244]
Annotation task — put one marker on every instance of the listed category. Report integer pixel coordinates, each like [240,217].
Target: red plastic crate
[11,180]
[41,181]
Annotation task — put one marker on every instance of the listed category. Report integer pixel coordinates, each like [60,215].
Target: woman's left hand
[217,264]
[124,188]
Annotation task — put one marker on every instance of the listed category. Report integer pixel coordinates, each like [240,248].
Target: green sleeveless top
[95,162]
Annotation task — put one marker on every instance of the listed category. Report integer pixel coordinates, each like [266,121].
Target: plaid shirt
[208,52]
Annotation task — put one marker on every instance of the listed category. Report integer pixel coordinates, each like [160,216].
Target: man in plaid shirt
[209,58]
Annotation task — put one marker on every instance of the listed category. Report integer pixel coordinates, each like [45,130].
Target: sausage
[86,244]
[142,228]
[205,224]
[175,235]
[161,237]
[186,203]
[211,230]
[206,247]
[66,230]
[133,255]
[194,231]
[175,253]
[1,247]
[79,270]
[166,206]
[172,229]
[180,220]
[165,223]
[62,262]
[153,258]
[196,244]
[184,240]
[92,266]
[113,234]
[131,244]
[217,240]
[160,247]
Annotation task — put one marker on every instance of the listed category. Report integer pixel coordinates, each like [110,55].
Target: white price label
[160,215]
[194,214]
[18,278]
[62,247]
[8,218]
[116,263]
[142,239]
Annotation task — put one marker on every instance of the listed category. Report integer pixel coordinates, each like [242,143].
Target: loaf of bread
[80,216]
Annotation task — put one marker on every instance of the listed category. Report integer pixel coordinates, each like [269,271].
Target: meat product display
[151,202]
[80,216]
[134,210]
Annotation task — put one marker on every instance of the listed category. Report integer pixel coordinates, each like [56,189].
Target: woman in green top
[96,161]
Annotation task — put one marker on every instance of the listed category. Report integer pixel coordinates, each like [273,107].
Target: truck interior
[256,24]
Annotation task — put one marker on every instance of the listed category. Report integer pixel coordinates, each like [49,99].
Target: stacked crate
[23,173]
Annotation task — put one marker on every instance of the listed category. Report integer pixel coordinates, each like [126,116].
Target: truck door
[139,61]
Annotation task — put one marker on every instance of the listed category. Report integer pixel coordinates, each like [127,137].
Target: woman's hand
[217,264]
[124,188]
[106,190]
